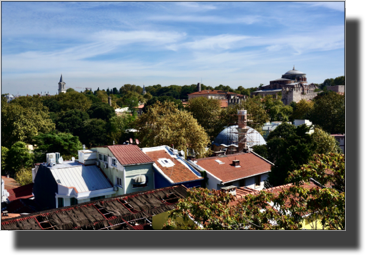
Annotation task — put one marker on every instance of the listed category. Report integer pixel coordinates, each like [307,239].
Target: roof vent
[236,163]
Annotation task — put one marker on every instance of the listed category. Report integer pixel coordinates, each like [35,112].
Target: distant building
[226,98]
[298,122]
[61,86]
[292,85]
[341,138]
[337,88]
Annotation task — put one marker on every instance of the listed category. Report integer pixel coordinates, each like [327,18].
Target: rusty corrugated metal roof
[129,154]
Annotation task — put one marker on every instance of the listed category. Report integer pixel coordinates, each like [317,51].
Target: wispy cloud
[338,6]
[197,6]
[211,19]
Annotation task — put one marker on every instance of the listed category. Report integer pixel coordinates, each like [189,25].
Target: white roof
[83,178]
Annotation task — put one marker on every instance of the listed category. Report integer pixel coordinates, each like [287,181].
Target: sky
[109,44]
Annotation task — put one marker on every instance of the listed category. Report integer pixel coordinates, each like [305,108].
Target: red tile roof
[250,165]
[10,183]
[177,173]
[129,154]
[22,192]
[223,103]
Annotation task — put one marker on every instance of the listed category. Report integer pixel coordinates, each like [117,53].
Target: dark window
[100,157]
[114,162]
[73,201]
[60,202]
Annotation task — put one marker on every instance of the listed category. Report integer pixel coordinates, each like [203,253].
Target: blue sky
[109,44]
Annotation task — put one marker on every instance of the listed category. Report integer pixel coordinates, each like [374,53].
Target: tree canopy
[329,113]
[301,109]
[94,133]
[71,121]
[102,111]
[162,99]
[289,147]
[64,143]
[216,210]
[19,157]
[325,143]
[207,113]
[164,124]
[276,109]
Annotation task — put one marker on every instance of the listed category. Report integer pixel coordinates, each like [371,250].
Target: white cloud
[207,19]
[338,6]
[194,5]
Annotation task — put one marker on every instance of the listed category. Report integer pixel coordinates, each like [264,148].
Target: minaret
[144,91]
[61,86]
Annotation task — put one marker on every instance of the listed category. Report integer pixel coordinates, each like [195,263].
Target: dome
[230,136]
[294,71]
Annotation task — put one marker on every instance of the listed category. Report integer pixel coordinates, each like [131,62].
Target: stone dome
[294,71]
[230,136]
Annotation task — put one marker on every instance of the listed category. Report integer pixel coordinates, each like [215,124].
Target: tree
[327,169]
[276,109]
[94,132]
[164,124]
[19,123]
[24,176]
[215,210]
[19,157]
[101,111]
[74,100]
[162,99]
[4,155]
[329,113]
[302,109]
[257,115]
[262,150]
[289,147]
[207,113]
[64,143]
[71,121]
[118,125]
[325,143]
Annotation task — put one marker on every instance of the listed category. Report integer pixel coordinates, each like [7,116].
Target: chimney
[242,130]
[109,101]
[199,87]
[236,163]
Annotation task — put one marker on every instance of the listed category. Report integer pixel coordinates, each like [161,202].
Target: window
[105,158]
[60,202]
[118,181]
[100,157]
[114,162]
[73,201]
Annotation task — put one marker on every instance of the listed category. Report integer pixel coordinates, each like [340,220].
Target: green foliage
[262,150]
[4,155]
[289,147]
[71,121]
[164,124]
[64,143]
[329,113]
[325,142]
[207,112]
[118,125]
[19,157]
[21,122]
[94,133]
[215,210]
[301,109]
[162,99]
[74,100]
[24,176]
[102,111]
[276,109]
[327,169]
[332,82]
[257,115]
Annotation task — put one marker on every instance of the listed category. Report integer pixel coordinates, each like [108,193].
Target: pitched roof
[22,192]
[177,173]
[126,212]
[129,154]
[82,178]
[250,165]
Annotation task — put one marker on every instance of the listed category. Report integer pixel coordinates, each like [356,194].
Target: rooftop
[129,154]
[215,92]
[126,212]
[222,167]
[170,165]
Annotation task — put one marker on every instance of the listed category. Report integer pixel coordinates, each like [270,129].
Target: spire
[293,68]
[61,79]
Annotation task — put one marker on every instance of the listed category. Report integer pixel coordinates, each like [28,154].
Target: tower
[61,86]
[144,91]
[242,130]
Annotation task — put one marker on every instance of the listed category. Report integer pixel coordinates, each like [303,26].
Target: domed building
[228,139]
[292,85]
